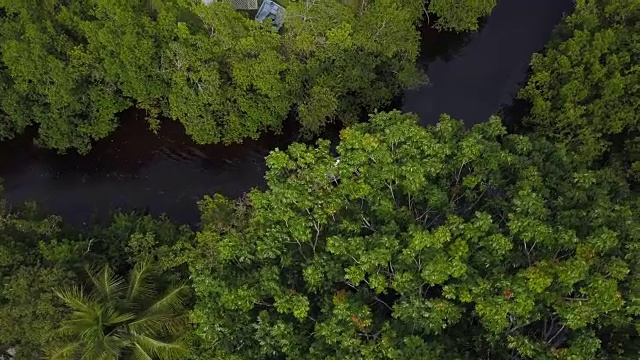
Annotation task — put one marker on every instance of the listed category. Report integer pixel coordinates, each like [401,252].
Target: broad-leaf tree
[228,78]
[350,59]
[125,41]
[123,320]
[130,238]
[51,82]
[69,67]
[584,87]
[412,243]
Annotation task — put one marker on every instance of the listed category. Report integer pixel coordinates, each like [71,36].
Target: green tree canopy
[69,68]
[34,257]
[584,88]
[420,243]
[37,255]
[125,41]
[229,79]
[350,60]
[50,81]
[460,15]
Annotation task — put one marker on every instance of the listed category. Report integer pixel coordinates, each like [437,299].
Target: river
[486,68]
[471,77]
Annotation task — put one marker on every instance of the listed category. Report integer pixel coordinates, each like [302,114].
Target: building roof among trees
[270,9]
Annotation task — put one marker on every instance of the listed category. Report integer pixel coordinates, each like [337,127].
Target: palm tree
[123,321]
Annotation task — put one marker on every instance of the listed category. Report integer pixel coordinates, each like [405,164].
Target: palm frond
[160,349]
[176,324]
[66,352]
[92,348]
[78,326]
[113,347]
[107,283]
[75,298]
[166,315]
[150,323]
[101,347]
[99,355]
[154,324]
[114,317]
[94,337]
[172,300]
[139,353]
[139,284]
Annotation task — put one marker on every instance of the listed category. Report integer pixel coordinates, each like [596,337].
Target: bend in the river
[471,77]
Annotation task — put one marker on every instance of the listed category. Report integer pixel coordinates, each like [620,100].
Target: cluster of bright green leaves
[50,81]
[69,68]
[124,43]
[228,78]
[460,15]
[418,243]
[349,60]
[585,89]
[130,238]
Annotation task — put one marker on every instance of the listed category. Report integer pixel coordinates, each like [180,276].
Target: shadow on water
[440,45]
[471,76]
[513,114]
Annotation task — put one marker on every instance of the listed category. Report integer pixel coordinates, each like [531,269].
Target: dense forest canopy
[69,68]
[39,257]
[421,244]
[585,88]
[401,242]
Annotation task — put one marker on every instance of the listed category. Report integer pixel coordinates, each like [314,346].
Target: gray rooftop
[271,10]
[238,4]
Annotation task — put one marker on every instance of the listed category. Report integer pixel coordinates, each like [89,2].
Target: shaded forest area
[404,242]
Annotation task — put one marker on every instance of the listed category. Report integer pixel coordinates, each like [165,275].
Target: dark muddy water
[134,169]
[471,77]
[483,71]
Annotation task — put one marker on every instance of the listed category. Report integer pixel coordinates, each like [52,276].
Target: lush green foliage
[401,243]
[421,244]
[49,80]
[117,320]
[349,61]
[69,68]
[585,87]
[36,256]
[411,244]
[460,15]
[32,262]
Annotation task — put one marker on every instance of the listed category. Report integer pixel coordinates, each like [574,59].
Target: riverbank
[471,77]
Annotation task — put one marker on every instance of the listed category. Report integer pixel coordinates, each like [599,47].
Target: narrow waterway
[134,169]
[486,69]
[471,77]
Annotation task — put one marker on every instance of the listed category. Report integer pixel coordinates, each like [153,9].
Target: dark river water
[471,77]
[483,71]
